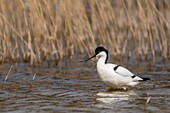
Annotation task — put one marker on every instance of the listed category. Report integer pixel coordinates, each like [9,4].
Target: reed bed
[52,30]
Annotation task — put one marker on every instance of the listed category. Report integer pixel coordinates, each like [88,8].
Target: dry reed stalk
[152,44]
[34,76]
[148,100]
[162,24]
[9,71]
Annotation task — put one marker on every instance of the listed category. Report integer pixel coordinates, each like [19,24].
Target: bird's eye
[98,51]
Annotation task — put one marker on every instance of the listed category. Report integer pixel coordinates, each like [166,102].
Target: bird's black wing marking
[133,76]
[115,68]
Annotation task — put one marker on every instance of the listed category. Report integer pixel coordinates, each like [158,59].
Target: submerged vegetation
[52,30]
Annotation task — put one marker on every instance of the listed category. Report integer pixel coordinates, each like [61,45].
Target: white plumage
[113,75]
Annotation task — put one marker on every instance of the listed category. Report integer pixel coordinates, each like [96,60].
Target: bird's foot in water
[117,89]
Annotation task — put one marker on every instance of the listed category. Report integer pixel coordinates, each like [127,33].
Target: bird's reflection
[114,96]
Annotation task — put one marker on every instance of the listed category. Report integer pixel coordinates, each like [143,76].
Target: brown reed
[52,30]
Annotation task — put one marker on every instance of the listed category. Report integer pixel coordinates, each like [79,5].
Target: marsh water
[75,87]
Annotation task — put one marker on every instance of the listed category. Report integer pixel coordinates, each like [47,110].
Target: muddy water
[78,89]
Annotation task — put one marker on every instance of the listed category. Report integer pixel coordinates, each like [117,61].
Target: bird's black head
[97,51]
[100,49]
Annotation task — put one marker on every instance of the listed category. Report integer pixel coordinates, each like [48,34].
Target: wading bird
[115,76]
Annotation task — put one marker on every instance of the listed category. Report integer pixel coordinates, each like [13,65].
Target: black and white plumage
[113,75]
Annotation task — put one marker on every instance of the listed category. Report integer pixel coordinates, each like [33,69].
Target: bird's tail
[145,79]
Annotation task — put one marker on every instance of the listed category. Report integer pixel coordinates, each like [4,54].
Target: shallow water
[78,89]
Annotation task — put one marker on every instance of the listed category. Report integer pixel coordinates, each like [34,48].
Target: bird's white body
[114,75]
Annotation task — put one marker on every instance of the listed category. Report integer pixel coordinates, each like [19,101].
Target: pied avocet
[113,75]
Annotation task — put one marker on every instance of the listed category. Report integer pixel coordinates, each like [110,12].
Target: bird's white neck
[101,62]
[102,57]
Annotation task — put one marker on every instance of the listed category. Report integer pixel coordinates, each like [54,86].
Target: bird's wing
[123,71]
[126,73]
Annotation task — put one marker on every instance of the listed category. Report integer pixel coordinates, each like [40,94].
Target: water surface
[78,89]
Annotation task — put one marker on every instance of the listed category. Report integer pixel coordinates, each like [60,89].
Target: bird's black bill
[88,59]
